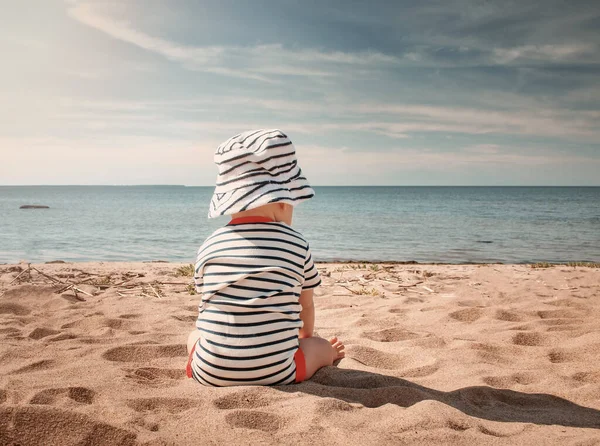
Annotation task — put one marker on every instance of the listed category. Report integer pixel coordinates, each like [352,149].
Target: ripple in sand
[185,317]
[325,406]
[37,366]
[500,432]
[130,316]
[420,372]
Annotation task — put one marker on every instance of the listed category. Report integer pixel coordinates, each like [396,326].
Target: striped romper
[250,274]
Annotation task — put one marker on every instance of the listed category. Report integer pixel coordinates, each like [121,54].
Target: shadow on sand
[374,390]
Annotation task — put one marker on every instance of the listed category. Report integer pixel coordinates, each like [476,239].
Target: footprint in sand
[390,335]
[559,314]
[170,405]
[130,316]
[591,377]
[557,322]
[253,419]
[569,303]
[16,309]
[42,332]
[245,399]
[27,425]
[509,316]
[530,339]
[467,315]
[510,380]
[495,354]
[97,322]
[562,355]
[189,318]
[430,341]
[81,395]
[37,366]
[144,353]
[398,310]
[155,376]
[375,358]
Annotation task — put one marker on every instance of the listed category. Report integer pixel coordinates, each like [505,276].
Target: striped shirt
[250,276]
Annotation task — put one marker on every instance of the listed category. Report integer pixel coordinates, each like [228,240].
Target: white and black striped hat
[256,168]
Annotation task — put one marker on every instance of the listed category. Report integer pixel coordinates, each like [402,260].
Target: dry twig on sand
[348,288]
[155,292]
[21,273]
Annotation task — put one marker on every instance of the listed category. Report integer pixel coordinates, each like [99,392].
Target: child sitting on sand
[256,275]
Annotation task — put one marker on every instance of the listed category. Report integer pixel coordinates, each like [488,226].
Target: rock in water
[34,206]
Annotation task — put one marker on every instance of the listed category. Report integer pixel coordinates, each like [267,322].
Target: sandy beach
[94,353]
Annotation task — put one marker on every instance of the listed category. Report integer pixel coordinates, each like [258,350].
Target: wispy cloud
[259,62]
[389,119]
[578,52]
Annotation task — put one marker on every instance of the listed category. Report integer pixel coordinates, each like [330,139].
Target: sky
[447,92]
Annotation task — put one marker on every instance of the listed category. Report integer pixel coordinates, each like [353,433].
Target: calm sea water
[425,224]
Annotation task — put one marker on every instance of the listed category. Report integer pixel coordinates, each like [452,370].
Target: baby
[256,275]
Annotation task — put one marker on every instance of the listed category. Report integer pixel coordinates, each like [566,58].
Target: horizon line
[316,185]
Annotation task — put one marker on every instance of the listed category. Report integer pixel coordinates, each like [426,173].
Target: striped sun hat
[256,168]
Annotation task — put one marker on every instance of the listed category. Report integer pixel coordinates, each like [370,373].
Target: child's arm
[307,314]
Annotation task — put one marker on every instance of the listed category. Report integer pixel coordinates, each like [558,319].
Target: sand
[436,354]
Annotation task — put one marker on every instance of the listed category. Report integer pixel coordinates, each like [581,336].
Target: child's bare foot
[338,349]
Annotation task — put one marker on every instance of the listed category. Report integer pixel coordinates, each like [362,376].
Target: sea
[422,224]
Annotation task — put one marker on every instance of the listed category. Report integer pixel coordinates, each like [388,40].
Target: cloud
[394,120]
[406,158]
[259,62]
[548,53]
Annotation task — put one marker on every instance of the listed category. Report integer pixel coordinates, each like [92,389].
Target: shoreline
[539,264]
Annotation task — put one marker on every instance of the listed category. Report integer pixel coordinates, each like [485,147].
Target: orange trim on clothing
[251,219]
[300,361]
[188,368]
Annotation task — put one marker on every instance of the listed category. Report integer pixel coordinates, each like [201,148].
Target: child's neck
[259,213]
[271,211]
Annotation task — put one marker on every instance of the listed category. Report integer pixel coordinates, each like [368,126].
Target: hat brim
[253,196]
